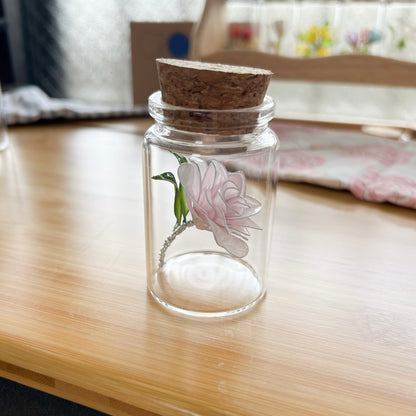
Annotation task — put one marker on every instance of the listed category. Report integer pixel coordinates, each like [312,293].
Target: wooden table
[335,335]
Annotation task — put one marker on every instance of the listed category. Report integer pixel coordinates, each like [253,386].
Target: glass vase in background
[4,140]
[276,34]
[209,178]
[226,25]
[317,26]
[363,28]
[400,41]
[243,25]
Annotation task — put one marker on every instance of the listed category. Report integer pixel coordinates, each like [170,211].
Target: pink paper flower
[218,202]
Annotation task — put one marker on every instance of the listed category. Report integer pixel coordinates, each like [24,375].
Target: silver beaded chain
[176,231]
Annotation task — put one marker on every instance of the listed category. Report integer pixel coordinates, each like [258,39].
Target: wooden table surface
[335,335]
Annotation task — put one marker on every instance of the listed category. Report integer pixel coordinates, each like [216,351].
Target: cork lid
[202,85]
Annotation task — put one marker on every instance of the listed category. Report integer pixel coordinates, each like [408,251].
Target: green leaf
[181,159]
[185,209]
[167,176]
[326,43]
[401,43]
[178,206]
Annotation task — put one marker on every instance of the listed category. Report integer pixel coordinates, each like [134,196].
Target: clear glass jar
[4,141]
[209,178]
[277,20]
[244,25]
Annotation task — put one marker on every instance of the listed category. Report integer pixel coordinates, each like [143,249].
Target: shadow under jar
[209,178]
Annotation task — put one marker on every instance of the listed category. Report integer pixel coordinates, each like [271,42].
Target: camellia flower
[218,202]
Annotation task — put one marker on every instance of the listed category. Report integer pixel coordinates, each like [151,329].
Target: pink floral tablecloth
[372,168]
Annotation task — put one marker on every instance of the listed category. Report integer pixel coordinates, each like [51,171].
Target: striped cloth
[30,104]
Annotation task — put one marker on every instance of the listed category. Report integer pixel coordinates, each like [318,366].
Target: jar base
[206,284]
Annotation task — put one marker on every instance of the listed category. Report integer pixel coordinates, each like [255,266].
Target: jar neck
[234,122]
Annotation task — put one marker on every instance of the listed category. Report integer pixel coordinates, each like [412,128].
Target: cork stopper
[202,85]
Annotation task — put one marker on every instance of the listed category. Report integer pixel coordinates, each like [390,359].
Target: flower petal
[242,222]
[255,206]
[189,176]
[222,173]
[239,181]
[234,245]
[208,178]
[230,190]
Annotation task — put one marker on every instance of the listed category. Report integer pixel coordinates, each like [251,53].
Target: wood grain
[357,69]
[336,334]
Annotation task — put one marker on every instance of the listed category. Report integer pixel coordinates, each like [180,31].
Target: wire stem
[176,231]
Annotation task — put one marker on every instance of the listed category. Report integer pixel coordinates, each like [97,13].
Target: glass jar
[243,24]
[4,141]
[260,25]
[209,178]
[277,20]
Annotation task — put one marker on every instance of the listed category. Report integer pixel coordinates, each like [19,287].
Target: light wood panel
[335,335]
[357,69]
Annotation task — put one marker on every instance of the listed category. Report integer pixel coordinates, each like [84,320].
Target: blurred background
[76,48]
[81,49]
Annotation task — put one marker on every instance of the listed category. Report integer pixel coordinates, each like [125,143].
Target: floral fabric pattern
[300,160]
[386,155]
[372,168]
[388,187]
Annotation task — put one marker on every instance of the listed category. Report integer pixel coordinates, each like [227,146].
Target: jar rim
[228,121]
